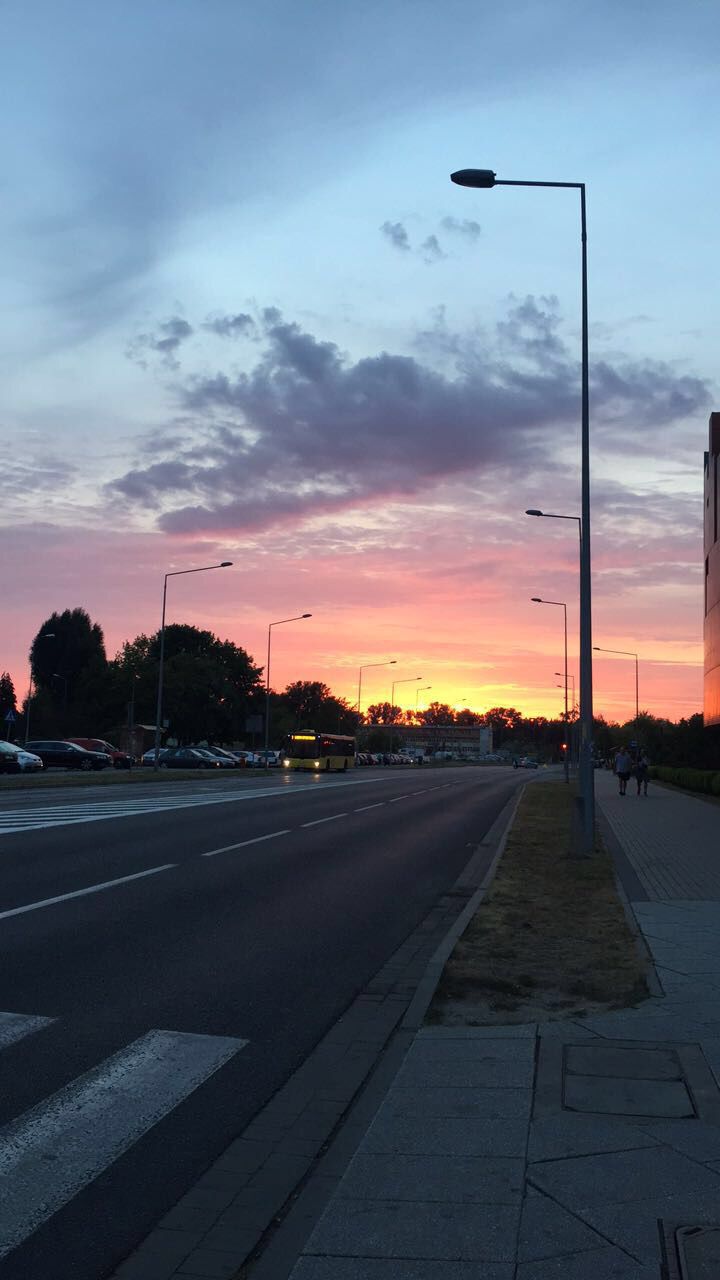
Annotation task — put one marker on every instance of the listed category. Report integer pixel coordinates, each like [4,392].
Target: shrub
[703,781]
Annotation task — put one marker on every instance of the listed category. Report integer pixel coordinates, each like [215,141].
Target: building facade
[711,628]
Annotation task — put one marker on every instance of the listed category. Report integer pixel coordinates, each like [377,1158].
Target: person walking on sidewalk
[642,772]
[623,767]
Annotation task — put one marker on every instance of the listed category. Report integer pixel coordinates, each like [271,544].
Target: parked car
[244,758]
[149,756]
[273,759]
[120,759]
[67,755]
[187,758]
[14,759]
[225,758]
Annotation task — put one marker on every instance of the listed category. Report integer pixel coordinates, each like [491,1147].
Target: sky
[246,316]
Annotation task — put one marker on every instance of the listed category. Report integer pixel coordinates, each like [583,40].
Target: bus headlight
[286,764]
[317,764]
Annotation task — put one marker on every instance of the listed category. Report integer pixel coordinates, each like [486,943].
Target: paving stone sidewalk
[560,1149]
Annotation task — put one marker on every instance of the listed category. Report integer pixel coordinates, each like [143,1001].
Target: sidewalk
[561,1149]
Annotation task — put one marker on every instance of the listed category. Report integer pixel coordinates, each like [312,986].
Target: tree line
[214,692]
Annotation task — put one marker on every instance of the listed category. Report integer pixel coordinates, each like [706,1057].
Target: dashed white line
[396,798]
[317,821]
[81,893]
[227,848]
[364,808]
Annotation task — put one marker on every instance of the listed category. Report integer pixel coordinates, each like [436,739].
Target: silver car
[14,759]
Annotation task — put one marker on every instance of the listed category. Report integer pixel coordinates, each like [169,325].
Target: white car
[14,759]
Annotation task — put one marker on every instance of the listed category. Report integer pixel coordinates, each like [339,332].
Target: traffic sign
[10,718]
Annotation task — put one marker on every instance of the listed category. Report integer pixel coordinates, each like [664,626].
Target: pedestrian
[642,773]
[623,767]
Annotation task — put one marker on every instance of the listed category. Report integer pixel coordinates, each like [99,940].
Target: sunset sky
[246,316]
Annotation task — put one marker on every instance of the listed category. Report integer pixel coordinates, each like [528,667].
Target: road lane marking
[317,821]
[227,848]
[81,893]
[364,808]
[54,1150]
[15,1026]
[396,798]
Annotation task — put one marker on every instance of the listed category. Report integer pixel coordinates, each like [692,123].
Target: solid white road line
[50,1153]
[15,1026]
[317,821]
[364,808]
[227,848]
[81,893]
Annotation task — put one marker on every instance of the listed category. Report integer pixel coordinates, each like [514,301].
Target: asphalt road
[209,945]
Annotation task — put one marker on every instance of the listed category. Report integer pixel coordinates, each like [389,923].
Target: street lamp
[408,680]
[552,515]
[561,605]
[176,573]
[47,635]
[627,653]
[418,692]
[483,179]
[297,618]
[390,663]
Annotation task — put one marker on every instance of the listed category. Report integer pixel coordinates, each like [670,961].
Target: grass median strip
[550,939]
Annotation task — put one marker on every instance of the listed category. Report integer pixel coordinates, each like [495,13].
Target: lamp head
[532,511]
[536,599]
[307,615]
[226,564]
[473,177]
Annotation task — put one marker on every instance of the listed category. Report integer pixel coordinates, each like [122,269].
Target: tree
[437,713]
[8,700]
[305,700]
[210,685]
[384,713]
[71,646]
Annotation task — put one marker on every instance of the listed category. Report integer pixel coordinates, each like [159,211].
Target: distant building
[711,691]
[459,739]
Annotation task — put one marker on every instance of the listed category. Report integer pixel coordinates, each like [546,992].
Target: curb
[621,867]
[428,983]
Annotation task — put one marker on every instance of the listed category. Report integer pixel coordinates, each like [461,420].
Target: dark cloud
[462,227]
[165,343]
[230,326]
[396,234]
[307,430]
[431,250]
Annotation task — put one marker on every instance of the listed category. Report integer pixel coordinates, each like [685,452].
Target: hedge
[706,781]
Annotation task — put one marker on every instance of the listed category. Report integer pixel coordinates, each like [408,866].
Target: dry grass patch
[550,938]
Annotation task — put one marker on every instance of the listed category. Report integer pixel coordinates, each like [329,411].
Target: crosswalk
[79,810]
[93,1120]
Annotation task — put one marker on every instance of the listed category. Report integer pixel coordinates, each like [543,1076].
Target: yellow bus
[319,752]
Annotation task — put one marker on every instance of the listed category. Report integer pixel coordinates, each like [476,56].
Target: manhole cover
[692,1253]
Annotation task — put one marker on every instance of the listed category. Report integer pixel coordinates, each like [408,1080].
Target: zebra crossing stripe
[49,1154]
[15,1026]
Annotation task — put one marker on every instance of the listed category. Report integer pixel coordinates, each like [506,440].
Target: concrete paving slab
[547,1230]
[484,1049]
[446,1137]
[504,1031]
[597,1264]
[697,1140]
[623,1176]
[663,1098]
[637,1232]
[629,1063]
[395,1229]
[560,1136]
[455,1179]
[398,1269]
[466,1072]
[479,1103]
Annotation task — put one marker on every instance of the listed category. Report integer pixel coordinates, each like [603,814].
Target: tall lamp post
[485,178]
[407,680]
[390,663]
[628,653]
[47,635]
[561,605]
[418,692]
[176,573]
[298,618]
